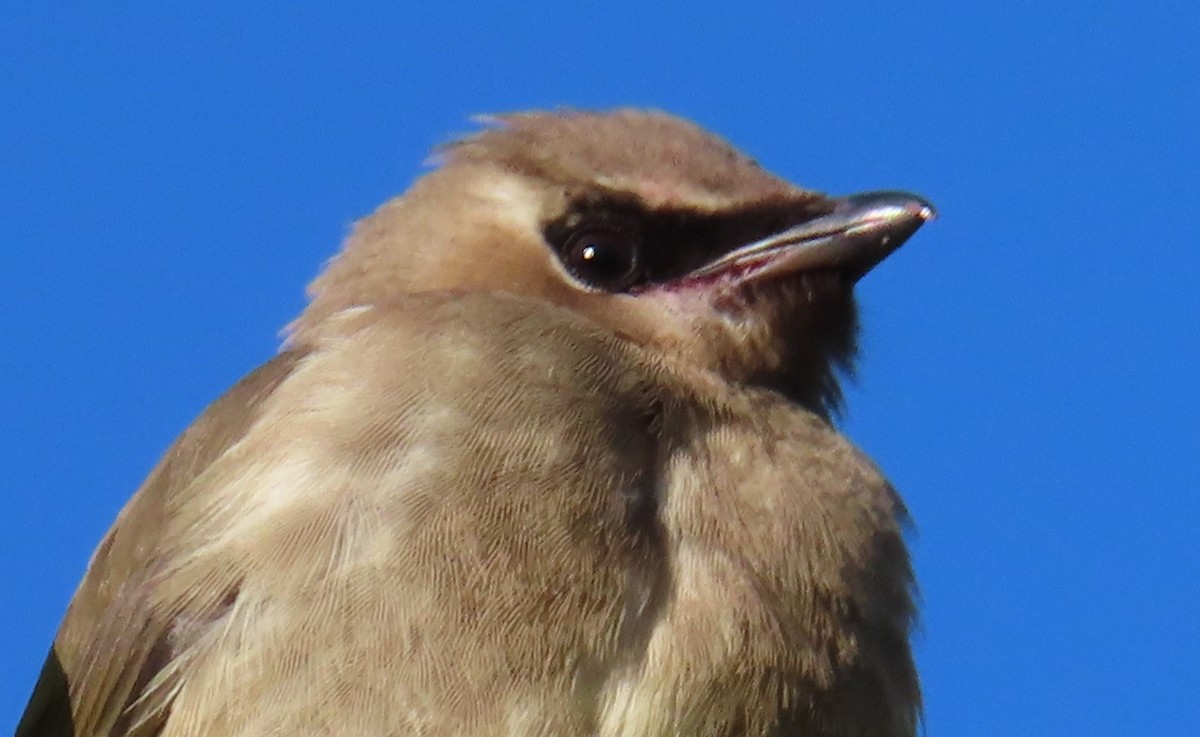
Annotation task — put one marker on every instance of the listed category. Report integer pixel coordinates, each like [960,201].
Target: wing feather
[112,646]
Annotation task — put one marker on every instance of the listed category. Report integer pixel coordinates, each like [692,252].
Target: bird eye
[603,258]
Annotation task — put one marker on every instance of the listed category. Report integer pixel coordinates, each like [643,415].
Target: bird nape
[548,453]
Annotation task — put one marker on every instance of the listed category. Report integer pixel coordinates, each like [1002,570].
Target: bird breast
[484,515]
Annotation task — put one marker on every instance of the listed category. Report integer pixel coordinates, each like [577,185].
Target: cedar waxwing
[548,453]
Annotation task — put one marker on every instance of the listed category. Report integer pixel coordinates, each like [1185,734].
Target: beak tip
[894,200]
[880,223]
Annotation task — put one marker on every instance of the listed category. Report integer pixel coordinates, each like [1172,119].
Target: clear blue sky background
[170,179]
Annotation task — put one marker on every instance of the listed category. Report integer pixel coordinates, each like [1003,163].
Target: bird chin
[783,294]
[802,334]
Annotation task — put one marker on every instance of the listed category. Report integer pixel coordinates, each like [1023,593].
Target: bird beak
[861,231]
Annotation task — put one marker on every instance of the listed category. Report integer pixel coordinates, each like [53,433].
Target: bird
[551,450]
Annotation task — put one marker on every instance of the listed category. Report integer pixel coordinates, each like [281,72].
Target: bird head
[646,225]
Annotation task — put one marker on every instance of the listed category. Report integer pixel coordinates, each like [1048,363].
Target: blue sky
[172,178]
